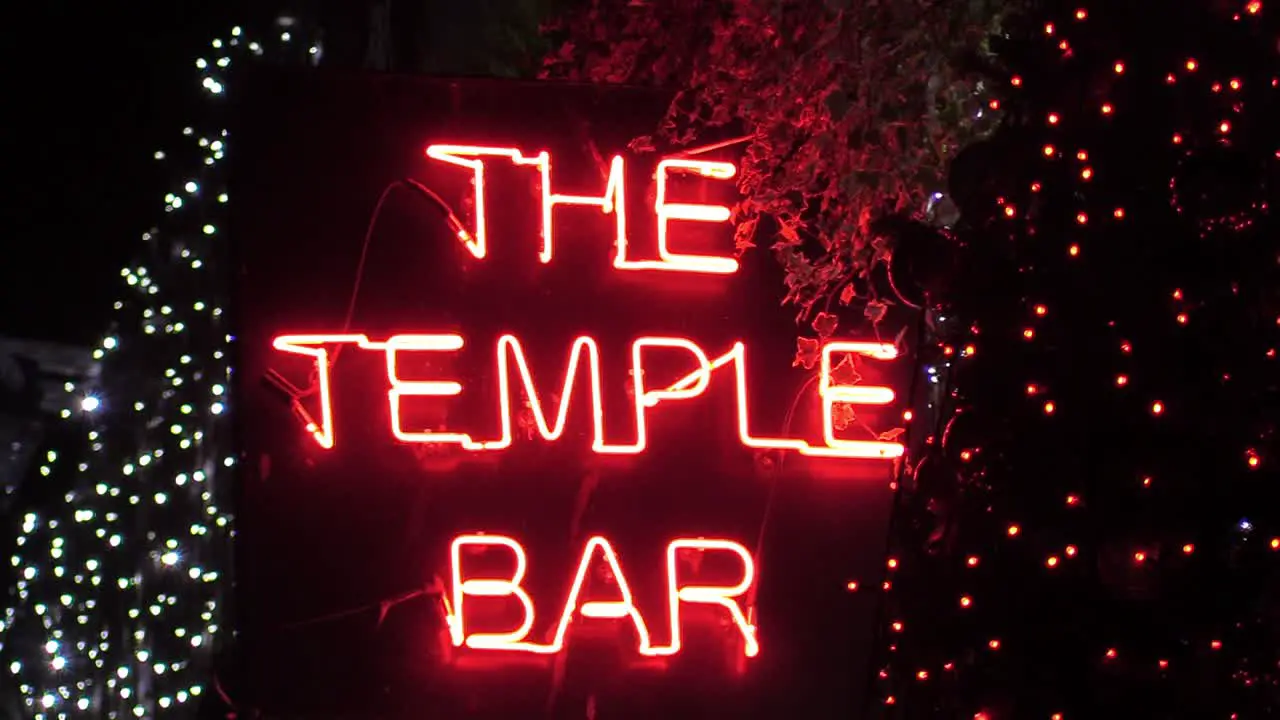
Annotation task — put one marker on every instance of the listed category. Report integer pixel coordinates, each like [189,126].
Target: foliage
[851,110]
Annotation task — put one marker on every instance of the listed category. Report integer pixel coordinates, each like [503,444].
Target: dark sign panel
[523,433]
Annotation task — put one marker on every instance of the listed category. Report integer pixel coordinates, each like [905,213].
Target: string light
[1124,389]
[122,584]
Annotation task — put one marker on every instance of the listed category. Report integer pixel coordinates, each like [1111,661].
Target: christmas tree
[1094,529]
[122,578]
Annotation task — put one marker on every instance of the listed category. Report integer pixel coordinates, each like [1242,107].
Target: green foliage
[851,110]
[511,45]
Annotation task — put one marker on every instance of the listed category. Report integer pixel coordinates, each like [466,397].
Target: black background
[325,532]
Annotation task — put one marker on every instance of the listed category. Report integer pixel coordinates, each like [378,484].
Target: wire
[716,146]
[455,225]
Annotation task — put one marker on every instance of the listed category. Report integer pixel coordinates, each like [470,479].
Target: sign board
[522,433]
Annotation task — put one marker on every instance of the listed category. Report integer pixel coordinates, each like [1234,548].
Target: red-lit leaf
[808,353]
[825,325]
[842,415]
[891,435]
[642,144]
[875,311]
[844,370]
[745,233]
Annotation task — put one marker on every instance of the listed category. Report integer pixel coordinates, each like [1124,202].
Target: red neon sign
[644,398]
[623,608]
[612,201]
[518,390]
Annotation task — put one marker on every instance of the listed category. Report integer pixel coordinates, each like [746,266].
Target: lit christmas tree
[1095,531]
[122,581]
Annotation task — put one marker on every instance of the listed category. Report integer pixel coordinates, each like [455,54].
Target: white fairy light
[139,469]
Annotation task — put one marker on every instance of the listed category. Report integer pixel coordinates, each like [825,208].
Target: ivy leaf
[787,229]
[825,324]
[842,415]
[875,311]
[642,144]
[847,294]
[846,371]
[744,235]
[807,353]
[891,435]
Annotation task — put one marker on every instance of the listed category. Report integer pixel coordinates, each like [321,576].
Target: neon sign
[679,593]
[509,349]
[613,201]
[549,405]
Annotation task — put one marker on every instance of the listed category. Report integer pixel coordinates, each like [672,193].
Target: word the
[623,608]
[612,201]
[584,352]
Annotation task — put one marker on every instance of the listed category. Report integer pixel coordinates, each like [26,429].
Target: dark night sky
[90,91]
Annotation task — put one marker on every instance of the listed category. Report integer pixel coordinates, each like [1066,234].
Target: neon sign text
[611,202]
[680,592]
[584,353]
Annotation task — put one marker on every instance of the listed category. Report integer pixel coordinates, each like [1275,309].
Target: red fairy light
[624,608]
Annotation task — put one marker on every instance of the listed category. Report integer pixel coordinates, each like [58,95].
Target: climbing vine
[849,112]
